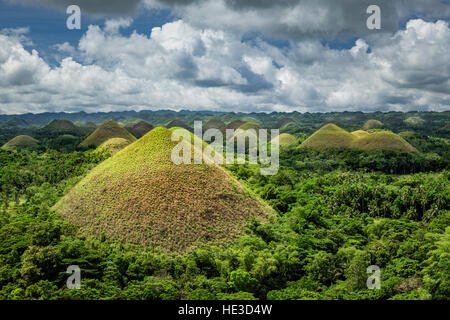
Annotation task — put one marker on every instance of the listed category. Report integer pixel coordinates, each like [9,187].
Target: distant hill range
[295,123]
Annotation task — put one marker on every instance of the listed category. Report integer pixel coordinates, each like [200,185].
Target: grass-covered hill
[21,142]
[382,141]
[235,124]
[360,133]
[332,137]
[16,122]
[140,196]
[329,136]
[113,145]
[372,124]
[286,139]
[139,129]
[110,129]
[61,126]
[214,123]
[178,124]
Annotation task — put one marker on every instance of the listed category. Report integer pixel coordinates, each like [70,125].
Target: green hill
[16,122]
[234,124]
[110,129]
[61,126]
[139,129]
[140,196]
[333,137]
[382,141]
[329,136]
[372,124]
[113,145]
[360,133]
[178,124]
[286,139]
[214,123]
[20,142]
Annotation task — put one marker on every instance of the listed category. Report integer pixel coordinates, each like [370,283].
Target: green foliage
[337,213]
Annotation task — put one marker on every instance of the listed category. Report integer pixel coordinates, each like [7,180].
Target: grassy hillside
[382,141]
[113,145]
[21,142]
[329,136]
[214,123]
[140,196]
[106,131]
[360,133]
[178,123]
[61,125]
[235,124]
[332,137]
[286,139]
[139,129]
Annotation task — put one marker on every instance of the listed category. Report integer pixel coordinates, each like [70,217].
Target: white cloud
[185,67]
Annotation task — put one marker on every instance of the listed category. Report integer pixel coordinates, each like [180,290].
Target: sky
[224,55]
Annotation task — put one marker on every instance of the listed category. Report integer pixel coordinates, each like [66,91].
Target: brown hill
[110,129]
[139,129]
[140,196]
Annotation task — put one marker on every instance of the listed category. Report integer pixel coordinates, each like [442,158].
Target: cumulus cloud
[183,66]
[298,19]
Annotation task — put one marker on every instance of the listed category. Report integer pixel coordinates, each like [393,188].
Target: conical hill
[140,196]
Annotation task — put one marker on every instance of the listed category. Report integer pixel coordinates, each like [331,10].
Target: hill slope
[178,124]
[382,141]
[286,139]
[235,124]
[21,142]
[110,129]
[333,137]
[214,123]
[329,136]
[113,145]
[139,129]
[140,196]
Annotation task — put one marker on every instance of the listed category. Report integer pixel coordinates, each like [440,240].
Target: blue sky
[249,56]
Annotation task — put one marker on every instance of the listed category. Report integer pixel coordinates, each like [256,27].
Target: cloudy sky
[226,55]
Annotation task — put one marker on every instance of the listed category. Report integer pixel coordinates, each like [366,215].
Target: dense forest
[337,212]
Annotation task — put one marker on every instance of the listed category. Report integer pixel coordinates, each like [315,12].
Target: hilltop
[21,142]
[372,124]
[139,129]
[329,136]
[178,124]
[382,141]
[332,137]
[234,124]
[214,123]
[110,129]
[286,139]
[61,126]
[140,196]
[113,145]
